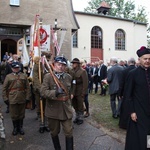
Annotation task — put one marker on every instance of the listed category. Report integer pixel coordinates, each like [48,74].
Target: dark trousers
[33,97]
[90,85]
[115,109]
[86,103]
[103,91]
[17,111]
[96,87]
[37,101]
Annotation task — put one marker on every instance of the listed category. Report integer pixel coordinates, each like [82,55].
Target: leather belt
[17,89]
[63,98]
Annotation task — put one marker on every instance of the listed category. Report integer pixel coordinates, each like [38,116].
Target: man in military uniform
[38,73]
[37,84]
[80,79]
[56,88]
[16,94]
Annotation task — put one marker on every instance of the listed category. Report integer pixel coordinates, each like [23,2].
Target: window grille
[119,40]
[96,37]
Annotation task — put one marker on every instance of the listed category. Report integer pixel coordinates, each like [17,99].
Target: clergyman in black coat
[137,91]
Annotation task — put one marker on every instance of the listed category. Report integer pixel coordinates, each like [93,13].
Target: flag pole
[42,127]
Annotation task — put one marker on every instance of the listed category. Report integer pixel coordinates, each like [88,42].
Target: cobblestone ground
[86,136]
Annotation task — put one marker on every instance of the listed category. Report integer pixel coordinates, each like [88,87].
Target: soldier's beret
[61,59]
[15,65]
[75,60]
[142,51]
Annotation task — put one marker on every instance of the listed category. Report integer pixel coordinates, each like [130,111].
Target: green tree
[141,15]
[121,9]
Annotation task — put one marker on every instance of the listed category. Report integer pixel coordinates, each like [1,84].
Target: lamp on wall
[26,31]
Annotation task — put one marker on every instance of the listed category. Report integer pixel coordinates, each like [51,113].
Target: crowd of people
[66,88]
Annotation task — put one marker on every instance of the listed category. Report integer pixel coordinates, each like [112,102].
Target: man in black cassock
[137,91]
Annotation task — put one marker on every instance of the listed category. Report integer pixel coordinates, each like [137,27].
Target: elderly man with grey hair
[114,77]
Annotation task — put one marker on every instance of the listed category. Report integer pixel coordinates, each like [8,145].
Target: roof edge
[108,16]
[73,12]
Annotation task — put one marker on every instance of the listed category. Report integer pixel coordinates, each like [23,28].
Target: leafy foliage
[121,9]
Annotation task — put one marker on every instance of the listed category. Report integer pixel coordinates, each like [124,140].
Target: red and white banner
[44,37]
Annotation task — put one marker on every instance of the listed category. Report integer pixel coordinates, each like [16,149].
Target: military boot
[80,118]
[20,127]
[69,143]
[56,142]
[46,128]
[15,123]
[76,118]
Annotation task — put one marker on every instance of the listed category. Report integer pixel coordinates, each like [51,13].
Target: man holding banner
[56,88]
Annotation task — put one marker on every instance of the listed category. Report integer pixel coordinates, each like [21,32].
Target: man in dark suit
[102,74]
[124,110]
[95,76]
[114,78]
[90,73]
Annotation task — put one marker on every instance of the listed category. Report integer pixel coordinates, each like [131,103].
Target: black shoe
[41,129]
[47,129]
[115,116]
[79,122]
[7,110]
[14,131]
[75,120]
[86,115]
[21,131]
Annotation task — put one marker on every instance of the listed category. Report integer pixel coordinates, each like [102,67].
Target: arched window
[120,40]
[96,37]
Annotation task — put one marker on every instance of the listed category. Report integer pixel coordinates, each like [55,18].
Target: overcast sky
[79,5]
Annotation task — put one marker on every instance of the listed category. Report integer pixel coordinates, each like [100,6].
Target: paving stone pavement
[86,136]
